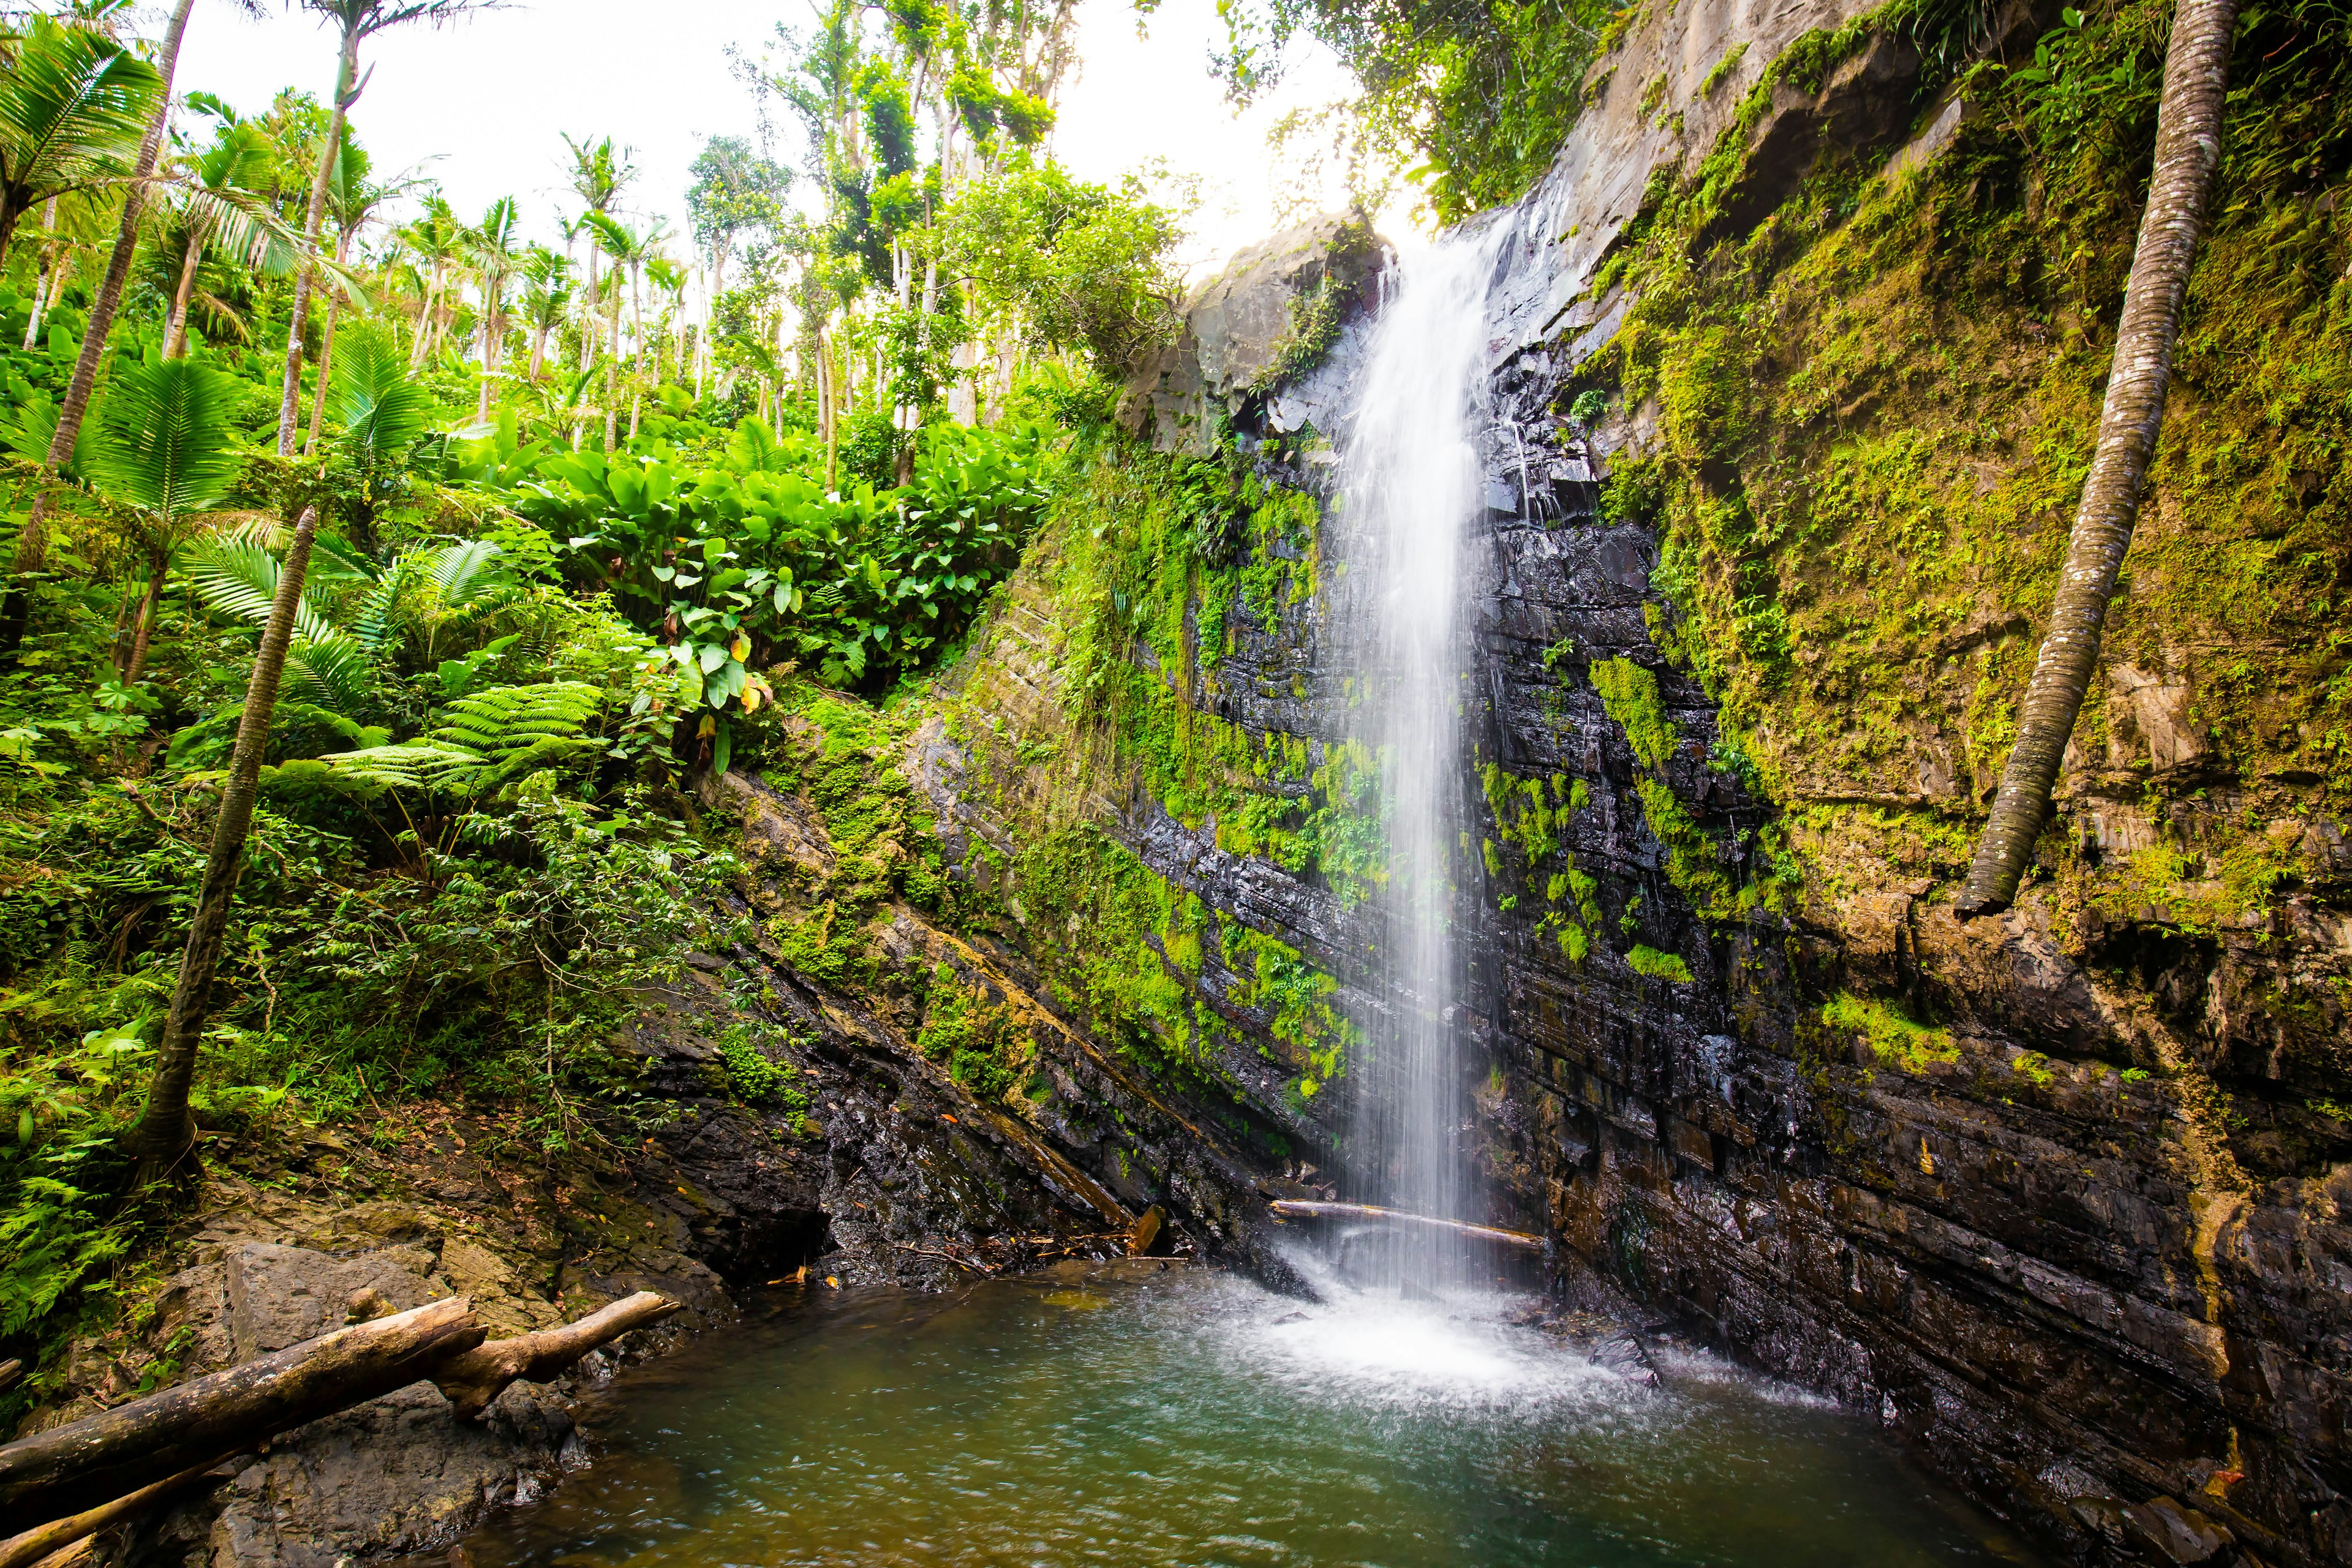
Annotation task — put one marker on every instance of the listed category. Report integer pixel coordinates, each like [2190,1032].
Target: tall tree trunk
[494,338]
[538,351]
[2187,150]
[33,539]
[164,1135]
[613,374]
[46,302]
[41,281]
[347,93]
[327,352]
[326,364]
[175,336]
[150,608]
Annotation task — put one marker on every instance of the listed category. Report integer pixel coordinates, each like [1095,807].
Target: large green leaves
[165,440]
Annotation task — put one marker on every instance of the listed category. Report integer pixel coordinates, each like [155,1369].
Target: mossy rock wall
[1797,357]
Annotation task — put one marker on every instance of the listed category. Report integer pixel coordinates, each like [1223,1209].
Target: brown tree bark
[93,1461]
[325,354]
[164,1135]
[473,1381]
[33,1545]
[2187,151]
[149,607]
[1304,1208]
[175,339]
[172,1437]
[347,93]
[33,539]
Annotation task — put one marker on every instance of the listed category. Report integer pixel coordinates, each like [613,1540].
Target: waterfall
[1413,483]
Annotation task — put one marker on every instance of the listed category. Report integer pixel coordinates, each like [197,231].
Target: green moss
[1631,694]
[1876,414]
[1893,1038]
[1658,965]
[1720,72]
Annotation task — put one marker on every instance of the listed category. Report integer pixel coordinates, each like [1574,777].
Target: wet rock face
[2012,1240]
[1268,319]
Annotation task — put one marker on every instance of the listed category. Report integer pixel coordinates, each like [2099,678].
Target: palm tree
[547,294]
[358,21]
[492,243]
[2187,151]
[383,413]
[438,240]
[352,202]
[627,248]
[163,456]
[241,157]
[74,107]
[32,539]
[600,172]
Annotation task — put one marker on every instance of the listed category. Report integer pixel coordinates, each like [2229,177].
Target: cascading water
[1413,482]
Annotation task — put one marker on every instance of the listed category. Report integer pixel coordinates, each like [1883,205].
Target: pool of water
[1136,1415]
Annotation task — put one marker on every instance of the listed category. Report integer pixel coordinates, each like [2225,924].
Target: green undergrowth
[1875,413]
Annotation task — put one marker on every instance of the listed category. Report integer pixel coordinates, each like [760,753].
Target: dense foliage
[576,541]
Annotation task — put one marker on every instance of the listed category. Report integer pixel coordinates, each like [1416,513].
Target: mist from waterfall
[1413,482]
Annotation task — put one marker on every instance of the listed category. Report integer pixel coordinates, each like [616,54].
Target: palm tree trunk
[612,377]
[165,1136]
[327,352]
[33,539]
[326,364]
[290,404]
[2187,150]
[150,609]
[43,304]
[41,282]
[175,338]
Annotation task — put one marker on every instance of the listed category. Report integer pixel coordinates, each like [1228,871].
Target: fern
[489,739]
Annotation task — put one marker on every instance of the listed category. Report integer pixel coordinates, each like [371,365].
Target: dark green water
[1183,1417]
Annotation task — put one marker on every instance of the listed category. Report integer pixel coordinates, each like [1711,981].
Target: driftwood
[168,1437]
[480,1375]
[18,1551]
[1302,1208]
[102,1456]
[10,1371]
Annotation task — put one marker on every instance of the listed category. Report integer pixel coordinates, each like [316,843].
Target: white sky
[486,99]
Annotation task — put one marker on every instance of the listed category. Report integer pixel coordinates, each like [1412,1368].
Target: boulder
[1268,319]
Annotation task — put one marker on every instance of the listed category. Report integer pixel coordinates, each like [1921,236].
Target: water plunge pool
[1134,1413]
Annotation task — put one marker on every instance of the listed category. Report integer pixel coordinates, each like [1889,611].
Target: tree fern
[488,740]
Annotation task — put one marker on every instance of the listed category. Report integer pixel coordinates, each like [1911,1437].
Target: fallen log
[78,1466]
[477,1377]
[19,1551]
[1303,1208]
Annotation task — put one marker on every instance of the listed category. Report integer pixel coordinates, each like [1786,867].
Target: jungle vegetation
[382,579]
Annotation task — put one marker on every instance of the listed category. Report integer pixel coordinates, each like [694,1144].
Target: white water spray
[1413,481]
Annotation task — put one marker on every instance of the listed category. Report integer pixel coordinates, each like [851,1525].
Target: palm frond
[333,672]
[164,441]
[239,577]
[75,106]
[383,412]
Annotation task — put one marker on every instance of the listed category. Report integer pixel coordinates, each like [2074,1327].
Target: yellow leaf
[740,649]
